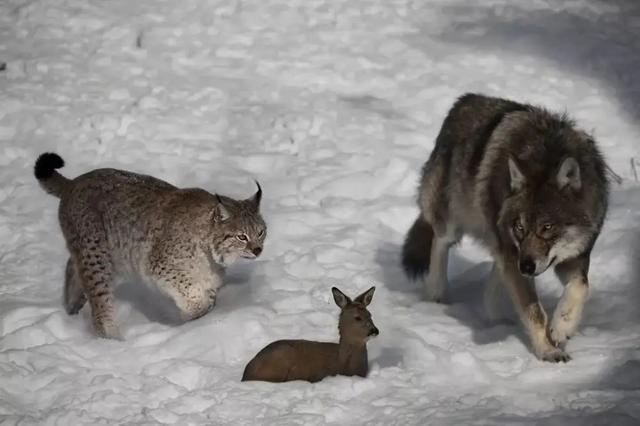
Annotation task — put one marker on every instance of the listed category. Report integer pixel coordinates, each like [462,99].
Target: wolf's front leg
[568,313]
[523,293]
[193,290]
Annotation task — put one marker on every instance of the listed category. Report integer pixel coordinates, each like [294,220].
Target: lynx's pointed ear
[366,297]
[569,174]
[517,179]
[255,200]
[341,299]
[220,213]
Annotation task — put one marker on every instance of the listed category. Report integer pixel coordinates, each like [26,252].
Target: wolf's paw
[562,327]
[552,354]
[433,292]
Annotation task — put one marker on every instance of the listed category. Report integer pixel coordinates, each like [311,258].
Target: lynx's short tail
[45,170]
[416,251]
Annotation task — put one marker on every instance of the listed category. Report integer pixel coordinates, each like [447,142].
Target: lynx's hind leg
[95,267]
[74,297]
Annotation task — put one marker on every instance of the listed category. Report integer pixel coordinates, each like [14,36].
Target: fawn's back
[286,360]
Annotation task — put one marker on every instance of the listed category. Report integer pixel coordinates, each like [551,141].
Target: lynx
[122,224]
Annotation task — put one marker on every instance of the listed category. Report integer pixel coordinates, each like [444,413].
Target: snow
[333,107]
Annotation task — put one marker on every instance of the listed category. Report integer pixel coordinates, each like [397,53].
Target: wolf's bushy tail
[416,250]
[45,170]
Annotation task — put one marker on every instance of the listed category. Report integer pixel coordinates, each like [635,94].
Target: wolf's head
[544,216]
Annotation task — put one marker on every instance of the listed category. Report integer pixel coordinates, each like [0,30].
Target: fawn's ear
[365,298]
[220,213]
[341,299]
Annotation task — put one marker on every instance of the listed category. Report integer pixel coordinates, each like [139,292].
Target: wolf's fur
[118,223]
[286,360]
[530,186]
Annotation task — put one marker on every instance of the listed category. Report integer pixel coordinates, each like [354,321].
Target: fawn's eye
[242,237]
[358,318]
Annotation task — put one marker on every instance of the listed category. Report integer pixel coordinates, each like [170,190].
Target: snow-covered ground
[333,106]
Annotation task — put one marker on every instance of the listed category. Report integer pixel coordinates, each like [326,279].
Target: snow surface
[333,106]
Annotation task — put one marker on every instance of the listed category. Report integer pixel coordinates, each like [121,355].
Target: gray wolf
[532,188]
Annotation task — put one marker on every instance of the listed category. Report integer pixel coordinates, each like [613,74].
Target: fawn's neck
[352,358]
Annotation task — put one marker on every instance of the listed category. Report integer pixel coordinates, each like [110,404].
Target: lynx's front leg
[523,293]
[193,288]
[568,313]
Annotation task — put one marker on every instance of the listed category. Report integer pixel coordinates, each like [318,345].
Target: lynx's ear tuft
[257,197]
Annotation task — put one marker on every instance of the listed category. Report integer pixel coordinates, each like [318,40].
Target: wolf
[532,188]
[119,224]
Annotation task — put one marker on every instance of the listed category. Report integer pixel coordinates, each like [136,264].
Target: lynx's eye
[242,237]
[261,233]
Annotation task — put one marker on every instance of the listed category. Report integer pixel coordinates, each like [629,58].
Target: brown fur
[287,360]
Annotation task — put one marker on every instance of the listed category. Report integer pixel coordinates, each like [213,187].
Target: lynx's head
[239,230]
[545,217]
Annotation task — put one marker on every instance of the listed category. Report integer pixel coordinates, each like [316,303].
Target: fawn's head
[356,325]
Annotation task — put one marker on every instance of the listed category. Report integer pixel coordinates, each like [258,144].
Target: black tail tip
[46,164]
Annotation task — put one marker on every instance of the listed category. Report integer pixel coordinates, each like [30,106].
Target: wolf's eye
[242,237]
[518,225]
[547,226]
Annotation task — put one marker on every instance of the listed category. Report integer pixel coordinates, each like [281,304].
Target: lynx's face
[239,230]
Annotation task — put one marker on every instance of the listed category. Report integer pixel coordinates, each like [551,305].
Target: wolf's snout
[373,331]
[527,266]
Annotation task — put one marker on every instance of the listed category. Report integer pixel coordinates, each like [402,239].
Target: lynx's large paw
[108,331]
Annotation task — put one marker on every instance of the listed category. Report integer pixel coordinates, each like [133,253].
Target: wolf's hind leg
[435,283]
[74,297]
[568,313]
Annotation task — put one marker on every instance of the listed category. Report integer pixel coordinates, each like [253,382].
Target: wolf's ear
[516,177]
[255,200]
[569,174]
[365,298]
[220,213]
[341,299]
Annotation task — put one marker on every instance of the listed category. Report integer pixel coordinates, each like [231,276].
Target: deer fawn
[286,360]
